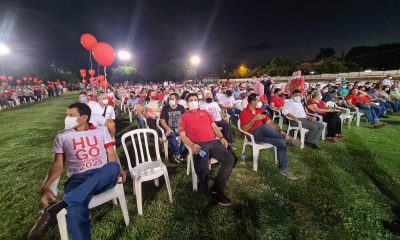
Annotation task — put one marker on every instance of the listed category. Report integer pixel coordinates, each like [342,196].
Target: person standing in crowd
[89,172]
[253,121]
[330,116]
[215,112]
[268,84]
[294,109]
[296,83]
[202,135]
[108,111]
[257,86]
[169,120]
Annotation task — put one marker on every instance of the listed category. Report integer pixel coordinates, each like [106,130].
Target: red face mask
[154,97]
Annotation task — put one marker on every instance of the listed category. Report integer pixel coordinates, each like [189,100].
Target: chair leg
[124,207]
[276,155]
[157,182]
[296,132]
[256,152]
[138,188]
[303,134]
[323,132]
[114,201]
[62,224]
[167,183]
[358,120]
[188,164]
[194,176]
[166,149]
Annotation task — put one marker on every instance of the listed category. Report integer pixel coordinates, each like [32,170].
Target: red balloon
[100,78]
[104,54]
[30,78]
[35,80]
[82,71]
[10,78]
[104,84]
[4,84]
[84,81]
[91,72]
[88,41]
[2,77]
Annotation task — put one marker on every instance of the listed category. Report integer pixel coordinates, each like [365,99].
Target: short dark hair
[83,109]
[83,92]
[174,94]
[252,97]
[277,90]
[191,95]
[296,91]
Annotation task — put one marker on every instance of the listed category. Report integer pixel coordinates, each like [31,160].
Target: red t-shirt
[197,126]
[264,98]
[246,115]
[278,101]
[354,99]
[297,83]
[365,99]
[320,105]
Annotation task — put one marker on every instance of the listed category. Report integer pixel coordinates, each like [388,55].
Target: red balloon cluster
[102,52]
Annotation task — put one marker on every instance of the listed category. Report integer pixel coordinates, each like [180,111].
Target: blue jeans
[177,149]
[232,112]
[141,122]
[370,113]
[379,109]
[266,134]
[392,105]
[79,190]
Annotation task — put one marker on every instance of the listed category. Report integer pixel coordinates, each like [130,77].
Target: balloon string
[90,57]
[98,69]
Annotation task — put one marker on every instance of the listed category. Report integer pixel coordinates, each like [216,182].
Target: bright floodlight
[195,60]
[124,55]
[368,71]
[4,50]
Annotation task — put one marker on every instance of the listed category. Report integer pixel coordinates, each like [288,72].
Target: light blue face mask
[83,99]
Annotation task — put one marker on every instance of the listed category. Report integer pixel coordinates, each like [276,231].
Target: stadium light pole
[124,56]
[195,61]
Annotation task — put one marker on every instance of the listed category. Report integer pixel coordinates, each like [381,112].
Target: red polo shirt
[246,115]
[365,99]
[278,101]
[354,99]
[197,126]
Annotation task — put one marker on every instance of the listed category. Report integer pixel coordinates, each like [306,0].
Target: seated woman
[277,101]
[330,116]
[151,110]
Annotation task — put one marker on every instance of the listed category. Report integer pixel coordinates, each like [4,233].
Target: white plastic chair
[345,115]
[354,113]
[146,168]
[191,165]
[320,119]
[117,192]
[256,147]
[164,139]
[278,114]
[296,130]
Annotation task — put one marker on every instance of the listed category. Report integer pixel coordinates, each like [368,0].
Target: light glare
[195,60]
[4,50]
[124,55]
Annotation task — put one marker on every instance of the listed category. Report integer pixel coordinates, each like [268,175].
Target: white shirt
[387,82]
[213,109]
[110,113]
[244,103]
[228,102]
[97,120]
[95,107]
[183,103]
[294,108]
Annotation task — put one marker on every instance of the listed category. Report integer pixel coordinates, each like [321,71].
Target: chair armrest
[298,122]
[54,186]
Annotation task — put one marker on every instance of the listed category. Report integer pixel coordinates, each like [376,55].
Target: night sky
[225,31]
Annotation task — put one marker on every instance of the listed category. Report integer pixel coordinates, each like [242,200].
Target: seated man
[202,135]
[169,120]
[215,111]
[353,102]
[92,168]
[108,110]
[228,102]
[294,109]
[265,131]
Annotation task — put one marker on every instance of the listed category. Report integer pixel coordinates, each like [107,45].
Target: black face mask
[209,100]
[228,93]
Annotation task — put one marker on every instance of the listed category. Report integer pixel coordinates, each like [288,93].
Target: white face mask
[259,105]
[172,103]
[193,105]
[200,97]
[71,122]
[105,101]
[297,99]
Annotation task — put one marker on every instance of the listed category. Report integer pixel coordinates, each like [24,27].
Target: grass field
[346,190]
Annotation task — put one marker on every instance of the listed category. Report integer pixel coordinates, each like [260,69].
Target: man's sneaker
[288,174]
[384,116]
[42,225]
[379,125]
[176,158]
[293,142]
[221,199]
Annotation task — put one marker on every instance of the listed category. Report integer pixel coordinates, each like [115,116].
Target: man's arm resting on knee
[55,172]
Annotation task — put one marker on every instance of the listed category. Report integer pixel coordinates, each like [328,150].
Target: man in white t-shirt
[94,106]
[387,81]
[228,102]
[215,112]
[108,111]
[92,167]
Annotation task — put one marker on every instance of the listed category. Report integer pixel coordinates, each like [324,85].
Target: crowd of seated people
[15,96]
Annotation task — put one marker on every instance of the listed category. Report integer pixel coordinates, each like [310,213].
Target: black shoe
[221,199]
[385,116]
[312,145]
[43,224]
